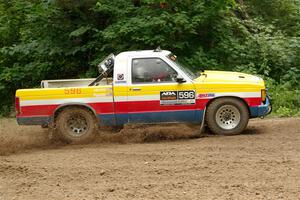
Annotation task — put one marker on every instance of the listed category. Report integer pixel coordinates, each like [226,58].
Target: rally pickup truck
[144,87]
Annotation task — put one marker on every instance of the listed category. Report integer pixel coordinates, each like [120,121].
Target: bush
[283,112]
[286,102]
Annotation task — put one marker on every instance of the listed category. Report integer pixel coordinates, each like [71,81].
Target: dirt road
[159,162]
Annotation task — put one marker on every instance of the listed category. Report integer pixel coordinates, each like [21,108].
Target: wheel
[227,116]
[76,125]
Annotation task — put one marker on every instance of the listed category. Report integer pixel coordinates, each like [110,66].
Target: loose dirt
[153,162]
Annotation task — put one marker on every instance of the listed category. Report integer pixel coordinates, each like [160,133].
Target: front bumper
[262,110]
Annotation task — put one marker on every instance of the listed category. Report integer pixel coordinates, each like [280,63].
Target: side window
[149,70]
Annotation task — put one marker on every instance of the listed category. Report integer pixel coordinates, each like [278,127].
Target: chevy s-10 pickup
[146,87]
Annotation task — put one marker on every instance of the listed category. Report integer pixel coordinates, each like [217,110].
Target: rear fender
[63,106]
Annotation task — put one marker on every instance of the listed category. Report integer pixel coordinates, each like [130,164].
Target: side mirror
[180,79]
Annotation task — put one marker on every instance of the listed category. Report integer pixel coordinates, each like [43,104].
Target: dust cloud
[16,139]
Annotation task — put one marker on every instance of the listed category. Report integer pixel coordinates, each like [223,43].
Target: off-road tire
[217,111]
[76,125]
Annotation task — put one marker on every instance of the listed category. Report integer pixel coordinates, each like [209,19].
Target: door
[155,96]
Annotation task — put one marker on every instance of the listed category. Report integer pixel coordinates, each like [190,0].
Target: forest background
[57,39]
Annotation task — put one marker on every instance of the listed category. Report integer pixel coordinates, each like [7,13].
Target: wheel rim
[77,125]
[228,117]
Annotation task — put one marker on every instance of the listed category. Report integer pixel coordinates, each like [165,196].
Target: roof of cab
[146,53]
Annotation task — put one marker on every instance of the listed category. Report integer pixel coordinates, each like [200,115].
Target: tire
[227,116]
[76,125]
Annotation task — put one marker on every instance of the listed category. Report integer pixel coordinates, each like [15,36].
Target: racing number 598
[73,91]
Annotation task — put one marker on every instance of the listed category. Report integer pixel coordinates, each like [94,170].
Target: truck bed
[73,83]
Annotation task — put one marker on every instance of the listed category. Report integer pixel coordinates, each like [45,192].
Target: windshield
[186,70]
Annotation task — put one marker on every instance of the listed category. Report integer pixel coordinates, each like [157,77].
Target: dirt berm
[153,162]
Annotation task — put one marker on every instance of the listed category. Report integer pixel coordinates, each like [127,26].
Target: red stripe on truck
[127,107]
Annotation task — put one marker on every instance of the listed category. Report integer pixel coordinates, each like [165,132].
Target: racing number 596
[186,95]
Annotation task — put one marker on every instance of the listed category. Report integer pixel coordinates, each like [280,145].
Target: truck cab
[155,88]
[144,87]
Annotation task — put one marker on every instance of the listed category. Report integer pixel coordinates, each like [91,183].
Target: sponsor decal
[120,77]
[206,95]
[117,82]
[169,95]
[177,97]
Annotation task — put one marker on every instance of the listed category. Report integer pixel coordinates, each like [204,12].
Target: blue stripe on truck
[193,116]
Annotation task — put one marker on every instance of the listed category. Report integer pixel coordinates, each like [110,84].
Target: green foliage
[67,39]
[283,111]
[285,102]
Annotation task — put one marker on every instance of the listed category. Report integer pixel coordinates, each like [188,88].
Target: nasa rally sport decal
[177,97]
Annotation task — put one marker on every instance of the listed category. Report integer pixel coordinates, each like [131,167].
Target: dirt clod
[102,172]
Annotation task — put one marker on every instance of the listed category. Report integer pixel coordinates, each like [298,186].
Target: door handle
[135,89]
